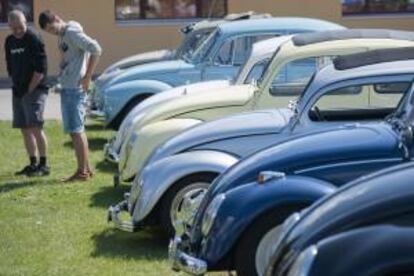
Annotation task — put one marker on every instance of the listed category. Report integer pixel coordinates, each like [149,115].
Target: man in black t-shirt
[27,67]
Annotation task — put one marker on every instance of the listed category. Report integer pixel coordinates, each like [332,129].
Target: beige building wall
[121,40]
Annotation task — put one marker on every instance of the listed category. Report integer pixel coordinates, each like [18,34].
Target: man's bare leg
[29,142]
[41,140]
[80,143]
[31,149]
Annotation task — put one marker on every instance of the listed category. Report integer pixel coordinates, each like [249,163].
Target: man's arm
[91,46]
[8,57]
[39,63]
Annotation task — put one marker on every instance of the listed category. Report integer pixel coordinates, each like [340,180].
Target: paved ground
[52,106]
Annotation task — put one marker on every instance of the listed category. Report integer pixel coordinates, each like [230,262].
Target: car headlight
[211,213]
[303,264]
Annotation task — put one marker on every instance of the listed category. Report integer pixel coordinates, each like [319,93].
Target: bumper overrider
[110,153]
[181,261]
[114,213]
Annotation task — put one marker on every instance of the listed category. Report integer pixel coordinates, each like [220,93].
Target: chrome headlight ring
[303,263]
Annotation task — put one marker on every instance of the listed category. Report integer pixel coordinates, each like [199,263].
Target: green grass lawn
[50,228]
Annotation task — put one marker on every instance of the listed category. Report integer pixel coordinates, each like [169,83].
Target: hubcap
[186,203]
[265,249]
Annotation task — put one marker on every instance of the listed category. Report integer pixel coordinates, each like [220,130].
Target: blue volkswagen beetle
[384,197]
[218,57]
[255,196]
[378,250]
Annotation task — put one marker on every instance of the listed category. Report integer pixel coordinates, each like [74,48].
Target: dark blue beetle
[238,212]
[374,250]
[385,197]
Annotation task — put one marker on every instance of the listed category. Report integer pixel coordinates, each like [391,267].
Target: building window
[169,9]
[373,7]
[26,6]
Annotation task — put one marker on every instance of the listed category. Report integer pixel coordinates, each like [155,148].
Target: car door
[233,53]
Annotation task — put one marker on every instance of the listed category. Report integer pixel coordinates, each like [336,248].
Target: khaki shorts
[28,110]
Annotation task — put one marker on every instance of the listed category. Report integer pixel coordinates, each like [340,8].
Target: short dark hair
[46,17]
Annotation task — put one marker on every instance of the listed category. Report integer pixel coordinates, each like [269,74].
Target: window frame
[365,14]
[165,21]
[30,17]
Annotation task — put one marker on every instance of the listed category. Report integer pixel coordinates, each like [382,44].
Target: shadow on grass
[117,244]
[20,184]
[108,196]
[95,144]
[95,127]
[105,166]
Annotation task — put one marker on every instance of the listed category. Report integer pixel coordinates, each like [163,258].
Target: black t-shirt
[25,56]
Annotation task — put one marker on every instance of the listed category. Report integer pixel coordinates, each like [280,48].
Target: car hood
[151,70]
[244,124]
[236,95]
[141,110]
[142,58]
[345,143]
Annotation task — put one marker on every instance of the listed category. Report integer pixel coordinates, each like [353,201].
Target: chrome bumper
[114,213]
[110,154]
[96,114]
[181,261]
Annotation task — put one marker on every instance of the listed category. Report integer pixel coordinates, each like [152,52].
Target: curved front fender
[136,151]
[118,95]
[244,204]
[157,178]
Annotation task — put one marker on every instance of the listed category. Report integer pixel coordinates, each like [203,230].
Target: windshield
[191,42]
[257,71]
[200,53]
[403,111]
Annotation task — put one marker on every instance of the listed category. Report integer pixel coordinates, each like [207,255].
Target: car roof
[330,74]
[324,36]
[278,23]
[373,57]
[209,24]
[269,46]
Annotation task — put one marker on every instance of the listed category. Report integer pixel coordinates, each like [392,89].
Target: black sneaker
[29,170]
[43,170]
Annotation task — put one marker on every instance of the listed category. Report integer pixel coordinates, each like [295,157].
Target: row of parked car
[278,146]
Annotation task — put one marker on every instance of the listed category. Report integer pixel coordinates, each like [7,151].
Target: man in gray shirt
[80,55]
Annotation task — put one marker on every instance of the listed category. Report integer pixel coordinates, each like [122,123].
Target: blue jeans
[73,105]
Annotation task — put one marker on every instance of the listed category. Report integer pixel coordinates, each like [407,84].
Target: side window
[356,103]
[388,94]
[257,71]
[293,77]
[235,51]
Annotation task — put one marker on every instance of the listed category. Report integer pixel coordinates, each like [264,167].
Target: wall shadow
[117,244]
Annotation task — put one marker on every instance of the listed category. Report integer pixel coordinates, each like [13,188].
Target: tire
[116,123]
[174,193]
[260,233]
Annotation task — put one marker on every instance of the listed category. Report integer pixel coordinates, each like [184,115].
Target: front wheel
[182,200]
[259,242]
